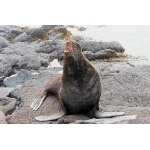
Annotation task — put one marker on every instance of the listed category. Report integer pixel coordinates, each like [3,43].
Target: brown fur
[79,87]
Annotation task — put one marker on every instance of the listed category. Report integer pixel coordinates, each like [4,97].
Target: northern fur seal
[78,89]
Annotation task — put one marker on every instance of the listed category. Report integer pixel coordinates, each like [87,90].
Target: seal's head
[73,49]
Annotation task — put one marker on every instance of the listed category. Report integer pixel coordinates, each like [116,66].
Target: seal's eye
[75,47]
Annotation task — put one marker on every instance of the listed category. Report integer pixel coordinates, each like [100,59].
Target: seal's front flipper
[108,114]
[39,100]
[51,117]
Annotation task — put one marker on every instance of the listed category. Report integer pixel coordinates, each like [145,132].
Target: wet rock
[5,91]
[22,38]
[18,78]
[3,43]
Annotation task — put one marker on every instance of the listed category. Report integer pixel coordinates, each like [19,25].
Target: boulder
[7,62]
[3,43]
[103,54]
[94,46]
[59,32]
[22,38]
[113,45]
[37,33]
[50,46]
[18,78]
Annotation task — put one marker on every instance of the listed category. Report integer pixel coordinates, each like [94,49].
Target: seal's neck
[74,66]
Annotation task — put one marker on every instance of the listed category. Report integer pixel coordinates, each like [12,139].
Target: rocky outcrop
[21,55]
[33,48]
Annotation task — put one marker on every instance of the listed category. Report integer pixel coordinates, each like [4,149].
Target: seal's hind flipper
[51,117]
[39,100]
[108,114]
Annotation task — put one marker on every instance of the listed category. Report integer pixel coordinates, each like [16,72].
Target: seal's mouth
[68,47]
